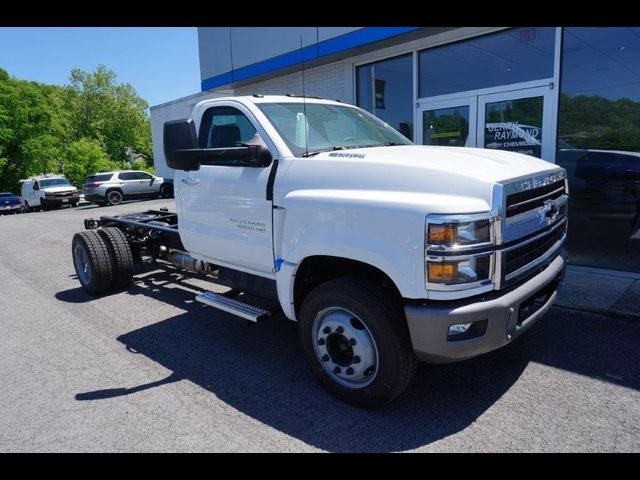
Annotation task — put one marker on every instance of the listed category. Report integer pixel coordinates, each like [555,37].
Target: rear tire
[114,197]
[166,190]
[121,256]
[92,262]
[355,337]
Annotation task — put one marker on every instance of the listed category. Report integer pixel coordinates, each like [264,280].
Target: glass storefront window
[513,56]
[599,144]
[385,89]
[446,126]
[514,125]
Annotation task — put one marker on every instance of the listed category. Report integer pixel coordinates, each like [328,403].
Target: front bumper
[499,312]
[54,202]
[9,208]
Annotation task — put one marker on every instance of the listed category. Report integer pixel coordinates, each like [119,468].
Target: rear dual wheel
[102,259]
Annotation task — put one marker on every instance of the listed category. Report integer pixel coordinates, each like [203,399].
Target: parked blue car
[9,203]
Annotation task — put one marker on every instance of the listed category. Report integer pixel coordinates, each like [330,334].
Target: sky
[160,62]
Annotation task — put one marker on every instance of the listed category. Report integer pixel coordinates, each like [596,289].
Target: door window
[224,127]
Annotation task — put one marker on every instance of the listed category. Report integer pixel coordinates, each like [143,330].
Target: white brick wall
[326,81]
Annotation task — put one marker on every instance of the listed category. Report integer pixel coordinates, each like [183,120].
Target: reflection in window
[513,56]
[515,126]
[599,144]
[385,89]
[446,126]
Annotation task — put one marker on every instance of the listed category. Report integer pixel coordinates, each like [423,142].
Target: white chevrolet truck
[384,252]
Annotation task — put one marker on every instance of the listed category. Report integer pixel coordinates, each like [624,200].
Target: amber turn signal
[443,272]
[443,234]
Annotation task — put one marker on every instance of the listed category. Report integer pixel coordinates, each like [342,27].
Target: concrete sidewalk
[616,294]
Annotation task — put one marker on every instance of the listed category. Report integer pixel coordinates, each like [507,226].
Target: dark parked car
[9,203]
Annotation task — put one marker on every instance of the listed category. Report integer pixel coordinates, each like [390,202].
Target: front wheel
[355,337]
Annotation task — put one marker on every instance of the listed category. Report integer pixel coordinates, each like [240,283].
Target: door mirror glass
[181,144]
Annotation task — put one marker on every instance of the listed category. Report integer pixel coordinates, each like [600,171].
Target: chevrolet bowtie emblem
[551,210]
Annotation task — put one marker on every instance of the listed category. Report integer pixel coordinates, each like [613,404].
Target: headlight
[453,234]
[452,272]
[458,251]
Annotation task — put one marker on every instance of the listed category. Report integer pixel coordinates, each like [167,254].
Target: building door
[448,122]
[517,121]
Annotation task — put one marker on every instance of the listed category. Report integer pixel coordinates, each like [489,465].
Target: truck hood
[60,189]
[474,163]
[437,178]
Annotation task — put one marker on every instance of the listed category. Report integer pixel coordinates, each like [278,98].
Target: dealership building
[568,95]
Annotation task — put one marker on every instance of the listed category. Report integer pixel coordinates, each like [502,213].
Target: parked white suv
[114,187]
[45,191]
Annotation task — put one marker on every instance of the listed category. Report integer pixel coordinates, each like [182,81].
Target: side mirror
[180,144]
[182,153]
[258,155]
[35,186]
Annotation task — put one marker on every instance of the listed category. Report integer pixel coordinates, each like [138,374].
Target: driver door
[224,214]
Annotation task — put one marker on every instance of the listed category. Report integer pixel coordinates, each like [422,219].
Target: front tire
[92,262]
[354,336]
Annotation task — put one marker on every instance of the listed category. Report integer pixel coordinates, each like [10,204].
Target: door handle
[190,181]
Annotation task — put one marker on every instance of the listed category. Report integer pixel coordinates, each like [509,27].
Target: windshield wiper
[316,152]
[348,147]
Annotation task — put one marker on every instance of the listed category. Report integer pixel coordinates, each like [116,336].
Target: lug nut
[352,341]
[356,359]
[321,341]
[326,330]
[349,371]
[339,330]
[337,370]
[325,358]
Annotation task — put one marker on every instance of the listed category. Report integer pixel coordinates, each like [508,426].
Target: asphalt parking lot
[150,369]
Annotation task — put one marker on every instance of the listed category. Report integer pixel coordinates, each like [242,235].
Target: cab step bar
[233,306]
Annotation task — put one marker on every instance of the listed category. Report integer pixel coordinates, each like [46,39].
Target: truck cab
[384,252]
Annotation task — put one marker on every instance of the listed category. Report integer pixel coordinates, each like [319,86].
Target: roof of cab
[259,98]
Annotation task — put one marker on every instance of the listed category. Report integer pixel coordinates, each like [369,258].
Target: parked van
[46,191]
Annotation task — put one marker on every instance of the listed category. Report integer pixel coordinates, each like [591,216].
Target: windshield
[329,127]
[54,182]
[5,194]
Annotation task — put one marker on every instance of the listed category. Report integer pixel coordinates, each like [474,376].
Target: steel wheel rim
[114,197]
[345,347]
[82,264]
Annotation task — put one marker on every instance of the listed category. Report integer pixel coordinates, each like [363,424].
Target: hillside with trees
[92,124]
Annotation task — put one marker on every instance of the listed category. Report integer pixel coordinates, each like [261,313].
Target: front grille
[527,200]
[525,254]
[60,194]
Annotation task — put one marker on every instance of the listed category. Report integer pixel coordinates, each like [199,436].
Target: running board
[233,306]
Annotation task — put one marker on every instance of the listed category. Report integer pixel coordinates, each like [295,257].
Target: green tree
[84,157]
[87,126]
[111,113]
